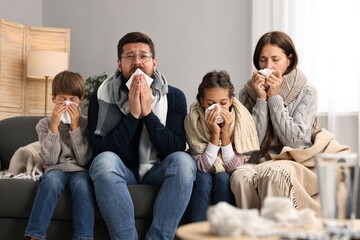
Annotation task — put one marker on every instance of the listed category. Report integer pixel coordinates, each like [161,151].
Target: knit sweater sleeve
[50,143]
[80,143]
[118,139]
[205,161]
[293,124]
[171,137]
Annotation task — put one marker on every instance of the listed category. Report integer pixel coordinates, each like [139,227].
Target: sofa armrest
[16,132]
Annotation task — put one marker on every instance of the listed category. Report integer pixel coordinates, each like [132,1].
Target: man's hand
[134,97]
[145,97]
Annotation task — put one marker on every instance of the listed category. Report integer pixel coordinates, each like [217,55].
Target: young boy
[66,153]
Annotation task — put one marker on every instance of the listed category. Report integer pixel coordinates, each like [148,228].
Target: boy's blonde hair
[67,82]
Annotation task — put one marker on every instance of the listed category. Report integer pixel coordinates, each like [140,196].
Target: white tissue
[266,72]
[65,117]
[219,117]
[138,71]
[278,215]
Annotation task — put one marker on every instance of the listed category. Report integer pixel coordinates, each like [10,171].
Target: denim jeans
[208,189]
[50,187]
[174,175]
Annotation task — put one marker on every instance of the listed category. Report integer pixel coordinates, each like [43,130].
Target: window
[327,36]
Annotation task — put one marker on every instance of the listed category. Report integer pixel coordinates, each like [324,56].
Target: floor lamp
[46,64]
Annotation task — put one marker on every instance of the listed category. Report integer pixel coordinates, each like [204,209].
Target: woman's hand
[260,85]
[274,82]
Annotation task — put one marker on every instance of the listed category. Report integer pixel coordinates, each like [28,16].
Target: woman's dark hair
[281,40]
[135,37]
[215,79]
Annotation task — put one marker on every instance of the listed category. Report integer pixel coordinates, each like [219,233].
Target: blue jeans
[208,189]
[50,187]
[174,175]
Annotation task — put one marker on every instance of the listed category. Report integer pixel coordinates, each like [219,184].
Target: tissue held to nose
[65,117]
[219,117]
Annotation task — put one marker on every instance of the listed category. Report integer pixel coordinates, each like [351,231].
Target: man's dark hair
[135,37]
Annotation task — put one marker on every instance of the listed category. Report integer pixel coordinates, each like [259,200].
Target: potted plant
[91,84]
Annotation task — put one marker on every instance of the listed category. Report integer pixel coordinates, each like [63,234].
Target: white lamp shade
[41,63]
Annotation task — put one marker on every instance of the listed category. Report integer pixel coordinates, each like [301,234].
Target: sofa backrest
[16,132]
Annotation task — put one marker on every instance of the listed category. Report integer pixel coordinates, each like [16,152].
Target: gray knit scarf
[113,100]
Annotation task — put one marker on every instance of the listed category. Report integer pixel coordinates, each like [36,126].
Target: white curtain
[326,34]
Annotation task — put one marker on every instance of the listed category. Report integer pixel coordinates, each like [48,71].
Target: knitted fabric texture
[26,163]
[242,131]
[113,99]
[295,169]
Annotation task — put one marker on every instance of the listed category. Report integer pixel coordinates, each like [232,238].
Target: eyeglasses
[143,56]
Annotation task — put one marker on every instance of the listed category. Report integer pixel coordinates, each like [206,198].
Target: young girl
[219,130]
[66,152]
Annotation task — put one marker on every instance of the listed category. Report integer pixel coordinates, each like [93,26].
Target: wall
[19,11]
[191,37]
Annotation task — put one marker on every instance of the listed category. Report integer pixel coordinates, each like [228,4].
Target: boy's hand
[74,113]
[55,117]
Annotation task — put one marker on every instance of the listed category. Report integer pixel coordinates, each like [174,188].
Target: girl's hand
[225,127]
[58,110]
[260,85]
[274,82]
[211,121]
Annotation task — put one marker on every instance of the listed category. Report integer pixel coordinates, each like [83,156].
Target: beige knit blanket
[242,130]
[26,163]
[296,169]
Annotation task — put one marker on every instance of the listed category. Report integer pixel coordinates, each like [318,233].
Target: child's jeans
[83,203]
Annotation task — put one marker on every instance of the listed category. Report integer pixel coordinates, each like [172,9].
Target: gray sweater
[68,150]
[292,124]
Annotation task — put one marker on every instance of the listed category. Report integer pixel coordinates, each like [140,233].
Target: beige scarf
[242,131]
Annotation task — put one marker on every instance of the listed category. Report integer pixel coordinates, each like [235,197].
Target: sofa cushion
[17,196]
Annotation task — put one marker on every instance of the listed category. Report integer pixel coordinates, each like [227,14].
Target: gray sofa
[17,195]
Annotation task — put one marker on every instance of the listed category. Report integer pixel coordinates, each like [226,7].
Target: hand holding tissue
[219,117]
[266,72]
[138,71]
[65,117]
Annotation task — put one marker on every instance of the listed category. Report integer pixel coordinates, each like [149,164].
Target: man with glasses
[137,135]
